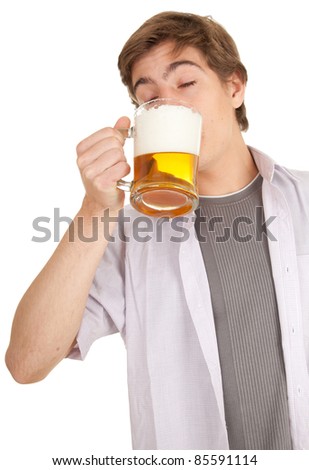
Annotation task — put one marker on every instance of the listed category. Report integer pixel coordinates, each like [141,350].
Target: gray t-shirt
[234,245]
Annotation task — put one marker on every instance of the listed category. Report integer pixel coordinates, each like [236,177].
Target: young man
[216,325]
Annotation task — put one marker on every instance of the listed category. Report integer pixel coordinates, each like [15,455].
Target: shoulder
[293,184]
[300,175]
[291,179]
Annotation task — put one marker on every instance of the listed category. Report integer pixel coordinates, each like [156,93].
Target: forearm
[49,315]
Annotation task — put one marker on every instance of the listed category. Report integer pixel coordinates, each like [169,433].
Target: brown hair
[186,29]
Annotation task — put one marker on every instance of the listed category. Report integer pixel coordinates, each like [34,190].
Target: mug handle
[122,184]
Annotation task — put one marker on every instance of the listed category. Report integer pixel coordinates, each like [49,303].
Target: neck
[231,172]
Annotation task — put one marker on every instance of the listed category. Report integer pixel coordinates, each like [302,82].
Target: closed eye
[187,84]
[183,85]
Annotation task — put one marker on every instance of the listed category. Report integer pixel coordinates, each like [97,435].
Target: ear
[236,88]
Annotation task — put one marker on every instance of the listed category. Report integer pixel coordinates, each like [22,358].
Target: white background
[59,83]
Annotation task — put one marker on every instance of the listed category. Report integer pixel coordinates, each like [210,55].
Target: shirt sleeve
[105,308]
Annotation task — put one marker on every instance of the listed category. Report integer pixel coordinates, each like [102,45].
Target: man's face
[186,76]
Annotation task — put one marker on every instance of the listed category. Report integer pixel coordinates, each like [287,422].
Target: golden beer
[164,183]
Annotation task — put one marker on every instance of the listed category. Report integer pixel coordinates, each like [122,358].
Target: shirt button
[299,390]
[293,330]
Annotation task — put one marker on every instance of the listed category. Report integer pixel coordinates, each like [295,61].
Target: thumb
[123,123]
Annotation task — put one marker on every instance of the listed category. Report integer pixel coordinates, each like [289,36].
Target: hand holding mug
[101,161]
[167,137]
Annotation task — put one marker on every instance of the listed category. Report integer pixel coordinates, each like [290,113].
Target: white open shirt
[156,294]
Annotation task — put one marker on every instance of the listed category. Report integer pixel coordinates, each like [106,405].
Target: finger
[118,171]
[93,139]
[99,149]
[107,180]
[102,163]
[123,123]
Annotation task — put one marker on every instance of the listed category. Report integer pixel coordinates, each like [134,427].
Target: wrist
[93,223]
[91,208]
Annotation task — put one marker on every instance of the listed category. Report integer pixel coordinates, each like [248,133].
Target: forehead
[159,57]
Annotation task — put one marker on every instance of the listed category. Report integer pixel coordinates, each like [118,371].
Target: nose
[165,91]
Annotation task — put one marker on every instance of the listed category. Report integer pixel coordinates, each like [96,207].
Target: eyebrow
[171,68]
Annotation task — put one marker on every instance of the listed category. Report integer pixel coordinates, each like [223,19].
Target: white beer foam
[168,128]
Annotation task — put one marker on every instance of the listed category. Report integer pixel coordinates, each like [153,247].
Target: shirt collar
[264,163]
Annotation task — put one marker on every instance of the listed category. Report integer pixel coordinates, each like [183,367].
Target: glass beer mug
[167,139]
